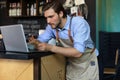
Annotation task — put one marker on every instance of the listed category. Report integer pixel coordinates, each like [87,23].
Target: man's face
[52,17]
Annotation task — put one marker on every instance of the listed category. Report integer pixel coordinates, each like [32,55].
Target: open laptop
[14,38]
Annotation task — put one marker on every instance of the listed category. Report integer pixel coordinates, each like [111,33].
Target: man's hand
[38,45]
[44,47]
[33,41]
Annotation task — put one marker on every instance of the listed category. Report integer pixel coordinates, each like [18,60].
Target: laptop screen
[14,38]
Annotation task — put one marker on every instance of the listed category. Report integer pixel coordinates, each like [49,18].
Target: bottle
[32,10]
[28,9]
[18,11]
[14,9]
[10,9]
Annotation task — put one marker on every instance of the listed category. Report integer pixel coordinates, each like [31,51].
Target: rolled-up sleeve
[47,35]
[81,33]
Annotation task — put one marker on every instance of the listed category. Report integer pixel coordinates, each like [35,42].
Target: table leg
[37,68]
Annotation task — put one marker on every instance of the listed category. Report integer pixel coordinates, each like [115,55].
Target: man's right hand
[33,41]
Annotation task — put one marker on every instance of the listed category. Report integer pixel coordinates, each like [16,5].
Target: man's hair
[56,6]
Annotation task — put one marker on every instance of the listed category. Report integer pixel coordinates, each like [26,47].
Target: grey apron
[82,68]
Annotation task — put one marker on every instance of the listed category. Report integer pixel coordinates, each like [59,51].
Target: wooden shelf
[24,7]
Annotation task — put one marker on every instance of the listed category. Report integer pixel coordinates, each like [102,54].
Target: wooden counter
[32,66]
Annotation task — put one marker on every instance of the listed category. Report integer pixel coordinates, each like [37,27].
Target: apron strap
[69,34]
[57,36]
[92,50]
[69,31]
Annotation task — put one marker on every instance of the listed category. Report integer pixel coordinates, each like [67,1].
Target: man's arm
[66,51]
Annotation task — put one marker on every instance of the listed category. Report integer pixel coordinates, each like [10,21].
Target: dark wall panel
[109,43]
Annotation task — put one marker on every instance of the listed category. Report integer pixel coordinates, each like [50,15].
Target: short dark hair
[56,6]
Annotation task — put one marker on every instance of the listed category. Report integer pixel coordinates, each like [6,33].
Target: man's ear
[61,14]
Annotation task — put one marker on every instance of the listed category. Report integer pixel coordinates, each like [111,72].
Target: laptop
[14,39]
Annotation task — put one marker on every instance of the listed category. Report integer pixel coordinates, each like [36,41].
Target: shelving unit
[28,13]
[25,7]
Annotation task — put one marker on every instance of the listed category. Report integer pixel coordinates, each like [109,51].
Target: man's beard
[58,25]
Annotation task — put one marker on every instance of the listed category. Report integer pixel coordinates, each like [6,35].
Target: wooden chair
[111,72]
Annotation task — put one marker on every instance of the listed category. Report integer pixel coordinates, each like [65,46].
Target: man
[73,40]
